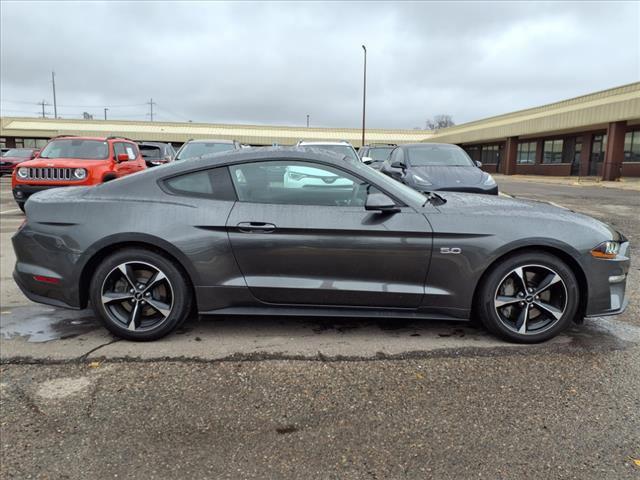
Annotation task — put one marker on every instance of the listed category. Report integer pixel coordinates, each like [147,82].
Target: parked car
[14,156]
[428,167]
[73,161]
[375,154]
[156,153]
[200,148]
[342,148]
[212,236]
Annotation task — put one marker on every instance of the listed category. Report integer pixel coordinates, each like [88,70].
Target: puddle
[44,324]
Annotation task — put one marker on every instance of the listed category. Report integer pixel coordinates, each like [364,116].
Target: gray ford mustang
[305,232]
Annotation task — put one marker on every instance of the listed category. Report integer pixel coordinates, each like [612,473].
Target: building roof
[181,132]
[594,111]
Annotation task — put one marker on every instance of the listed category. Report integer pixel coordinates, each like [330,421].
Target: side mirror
[381,203]
[367,160]
[122,157]
[478,164]
[35,154]
[400,165]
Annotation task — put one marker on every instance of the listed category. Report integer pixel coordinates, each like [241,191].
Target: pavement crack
[82,358]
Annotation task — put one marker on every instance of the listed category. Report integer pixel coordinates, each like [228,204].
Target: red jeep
[74,161]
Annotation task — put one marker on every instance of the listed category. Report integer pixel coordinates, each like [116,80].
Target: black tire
[21,206]
[565,295]
[175,286]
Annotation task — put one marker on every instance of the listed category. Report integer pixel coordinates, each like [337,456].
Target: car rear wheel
[21,206]
[528,298]
[140,295]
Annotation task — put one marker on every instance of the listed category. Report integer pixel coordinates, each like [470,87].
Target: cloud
[274,63]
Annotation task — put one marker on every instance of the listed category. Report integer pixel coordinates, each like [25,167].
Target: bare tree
[439,121]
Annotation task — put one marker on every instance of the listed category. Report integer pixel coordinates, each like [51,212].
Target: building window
[552,152]
[490,154]
[473,152]
[30,142]
[632,146]
[526,153]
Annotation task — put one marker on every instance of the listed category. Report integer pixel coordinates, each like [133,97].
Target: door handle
[256,227]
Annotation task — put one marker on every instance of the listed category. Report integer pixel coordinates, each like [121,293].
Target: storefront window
[30,142]
[552,152]
[526,153]
[632,146]
[490,154]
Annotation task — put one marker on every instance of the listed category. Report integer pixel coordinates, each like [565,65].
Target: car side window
[214,183]
[118,148]
[298,183]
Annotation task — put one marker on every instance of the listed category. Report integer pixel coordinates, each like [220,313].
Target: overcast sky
[275,63]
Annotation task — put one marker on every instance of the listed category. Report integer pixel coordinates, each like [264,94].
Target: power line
[77,106]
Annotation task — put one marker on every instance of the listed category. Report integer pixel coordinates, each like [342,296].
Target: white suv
[343,148]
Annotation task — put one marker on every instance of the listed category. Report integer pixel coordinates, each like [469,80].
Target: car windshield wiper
[434,199]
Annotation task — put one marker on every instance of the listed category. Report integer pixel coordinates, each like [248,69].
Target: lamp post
[105,112]
[364,92]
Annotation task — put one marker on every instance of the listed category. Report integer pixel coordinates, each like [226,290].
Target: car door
[310,240]
[123,167]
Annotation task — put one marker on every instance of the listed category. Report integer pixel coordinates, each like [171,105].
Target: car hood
[62,162]
[445,176]
[508,208]
[14,159]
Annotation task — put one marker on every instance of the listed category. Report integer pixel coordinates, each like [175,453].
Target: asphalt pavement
[321,398]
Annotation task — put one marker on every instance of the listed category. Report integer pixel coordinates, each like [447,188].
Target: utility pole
[307,121]
[43,103]
[55,105]
[105,113]
[364,92]
[151,104]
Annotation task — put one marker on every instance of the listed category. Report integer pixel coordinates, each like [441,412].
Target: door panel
[331,255]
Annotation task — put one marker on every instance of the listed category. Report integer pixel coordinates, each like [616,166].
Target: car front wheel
[140,295]
[529,297]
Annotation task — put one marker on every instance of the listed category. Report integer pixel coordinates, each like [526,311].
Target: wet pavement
[249,397]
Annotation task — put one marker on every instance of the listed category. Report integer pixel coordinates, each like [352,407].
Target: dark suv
[156,153]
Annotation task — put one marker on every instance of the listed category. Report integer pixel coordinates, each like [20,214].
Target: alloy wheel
[531,299]
[137,295]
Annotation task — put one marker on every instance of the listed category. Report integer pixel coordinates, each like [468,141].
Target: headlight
[607,250]
[420,180]
[489,180]
[23,172]
[80,173]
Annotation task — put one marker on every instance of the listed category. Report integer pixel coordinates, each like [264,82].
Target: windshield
[346,150]
[379,153]
[198,149]
[75,148]
[438,155]
[18,152]
[150,151]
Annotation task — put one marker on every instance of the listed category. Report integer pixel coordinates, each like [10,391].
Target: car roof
[210,140]
[310,143]
[428,144]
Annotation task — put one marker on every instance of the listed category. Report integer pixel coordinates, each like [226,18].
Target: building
[592,135]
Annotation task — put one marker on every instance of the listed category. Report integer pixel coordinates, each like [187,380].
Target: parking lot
[327,398]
